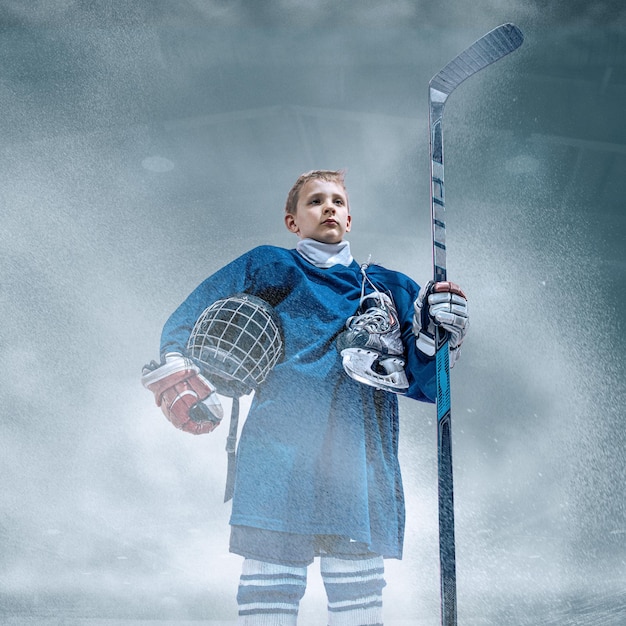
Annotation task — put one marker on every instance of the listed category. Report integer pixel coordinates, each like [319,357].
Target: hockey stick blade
[489,48]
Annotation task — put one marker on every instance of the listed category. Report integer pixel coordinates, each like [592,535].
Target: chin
[329,238]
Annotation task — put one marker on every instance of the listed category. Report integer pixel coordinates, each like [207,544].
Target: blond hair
[332,176]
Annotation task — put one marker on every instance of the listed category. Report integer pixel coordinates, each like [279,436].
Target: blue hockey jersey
[318,453]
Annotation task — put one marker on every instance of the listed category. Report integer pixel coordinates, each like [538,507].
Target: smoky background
[145,145]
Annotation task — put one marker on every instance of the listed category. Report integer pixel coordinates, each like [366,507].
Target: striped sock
[355,590]
[269,594]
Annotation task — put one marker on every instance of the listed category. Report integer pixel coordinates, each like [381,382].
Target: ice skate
[371,346]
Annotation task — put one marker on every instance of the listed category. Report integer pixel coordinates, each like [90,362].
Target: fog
[146,144]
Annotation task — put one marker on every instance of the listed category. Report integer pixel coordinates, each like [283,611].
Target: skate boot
[371,346]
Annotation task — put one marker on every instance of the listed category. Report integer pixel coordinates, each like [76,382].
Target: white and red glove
[447,308]
[187,398]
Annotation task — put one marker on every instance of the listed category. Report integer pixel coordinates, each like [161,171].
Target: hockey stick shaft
[490,48]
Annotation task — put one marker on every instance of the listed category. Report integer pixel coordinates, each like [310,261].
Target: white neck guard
[325,255]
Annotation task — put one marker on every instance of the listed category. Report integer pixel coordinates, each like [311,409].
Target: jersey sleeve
[240,275]
[420,369]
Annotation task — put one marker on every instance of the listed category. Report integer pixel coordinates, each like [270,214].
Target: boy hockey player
[317,466]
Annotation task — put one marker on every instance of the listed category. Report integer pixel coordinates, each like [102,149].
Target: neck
[325,255]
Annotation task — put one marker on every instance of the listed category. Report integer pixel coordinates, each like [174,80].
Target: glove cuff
[174,363]
[425,344]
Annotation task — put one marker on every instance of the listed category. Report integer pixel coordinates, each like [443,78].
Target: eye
[339,201]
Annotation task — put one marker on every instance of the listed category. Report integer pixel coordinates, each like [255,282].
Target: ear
[290,223]
[349,223]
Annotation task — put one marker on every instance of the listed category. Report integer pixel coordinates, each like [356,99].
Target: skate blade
[358,364]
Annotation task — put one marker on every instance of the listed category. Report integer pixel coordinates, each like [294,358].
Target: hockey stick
[488,49]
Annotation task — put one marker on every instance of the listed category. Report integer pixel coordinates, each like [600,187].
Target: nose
[329,206]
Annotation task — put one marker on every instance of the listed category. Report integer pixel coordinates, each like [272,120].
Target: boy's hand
[187,398]
[447,308]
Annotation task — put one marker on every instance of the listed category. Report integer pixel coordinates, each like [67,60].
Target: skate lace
[374,319]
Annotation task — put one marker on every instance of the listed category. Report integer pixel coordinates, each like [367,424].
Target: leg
[269,594]
[354,587]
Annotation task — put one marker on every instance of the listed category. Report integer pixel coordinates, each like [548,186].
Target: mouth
[330,222]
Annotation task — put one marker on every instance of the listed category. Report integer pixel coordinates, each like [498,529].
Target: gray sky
[146,144]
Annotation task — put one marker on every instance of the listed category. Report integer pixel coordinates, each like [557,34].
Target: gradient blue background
[144,144]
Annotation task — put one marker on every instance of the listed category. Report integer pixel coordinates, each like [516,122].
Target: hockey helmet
[236,342]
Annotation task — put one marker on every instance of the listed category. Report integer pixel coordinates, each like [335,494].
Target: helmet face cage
[236,342]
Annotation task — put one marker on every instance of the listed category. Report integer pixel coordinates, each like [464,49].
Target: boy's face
[321,213]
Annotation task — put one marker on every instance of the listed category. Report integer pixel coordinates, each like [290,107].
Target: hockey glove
[187,398]
[447,308]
